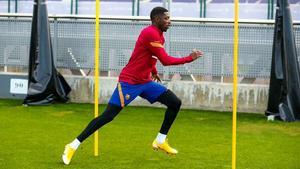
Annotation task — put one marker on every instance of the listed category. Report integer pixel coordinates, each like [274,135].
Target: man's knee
[108,117]
[111,112]
[177,103]
[170,100]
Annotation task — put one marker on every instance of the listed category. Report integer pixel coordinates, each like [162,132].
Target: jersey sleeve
[154,44]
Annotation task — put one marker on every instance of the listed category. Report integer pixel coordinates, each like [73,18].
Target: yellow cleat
[68,154]
[164,147]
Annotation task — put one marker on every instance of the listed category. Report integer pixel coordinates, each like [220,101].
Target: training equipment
[68,154]
[284,94]
[164,147]
[45,84]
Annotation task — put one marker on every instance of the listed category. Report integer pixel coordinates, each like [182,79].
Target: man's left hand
[156,77]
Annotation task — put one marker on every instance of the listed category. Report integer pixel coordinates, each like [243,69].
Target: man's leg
[123,94]
[173,104]
[108,115]
[154,92]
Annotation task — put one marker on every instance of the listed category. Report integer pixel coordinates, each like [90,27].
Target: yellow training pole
[96,87]
[235,79]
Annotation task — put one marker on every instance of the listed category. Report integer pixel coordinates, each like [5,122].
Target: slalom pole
[235,80]
[96,76]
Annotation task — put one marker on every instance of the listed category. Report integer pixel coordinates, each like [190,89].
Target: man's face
[164,22]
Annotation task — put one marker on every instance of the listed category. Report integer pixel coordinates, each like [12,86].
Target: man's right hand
[196,54]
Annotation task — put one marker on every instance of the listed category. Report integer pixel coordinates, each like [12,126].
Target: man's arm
[158,50]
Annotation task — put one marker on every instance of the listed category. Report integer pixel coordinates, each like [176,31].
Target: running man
[138,79]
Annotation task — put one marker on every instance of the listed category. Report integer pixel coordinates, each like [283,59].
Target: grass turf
[34,137]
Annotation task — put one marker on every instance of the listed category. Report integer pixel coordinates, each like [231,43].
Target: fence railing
[73,43]
[254,9]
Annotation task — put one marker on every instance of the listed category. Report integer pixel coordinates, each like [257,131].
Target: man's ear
[156,19]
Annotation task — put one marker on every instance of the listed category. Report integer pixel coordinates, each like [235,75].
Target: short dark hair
[157,11]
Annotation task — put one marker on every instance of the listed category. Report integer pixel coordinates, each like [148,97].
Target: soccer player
[138,79]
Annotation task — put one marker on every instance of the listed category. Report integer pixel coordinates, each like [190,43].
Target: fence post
[16,6]
[76,7]
[204,10]
[200,1]
[8,6]
[55,42]
[166,69]
[268,9]
[138,8]
[71,11]
[272,9]
[133,5]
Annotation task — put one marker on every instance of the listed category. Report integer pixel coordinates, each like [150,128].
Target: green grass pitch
[34,138]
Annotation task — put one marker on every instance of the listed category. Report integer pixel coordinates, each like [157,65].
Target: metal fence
[73,44]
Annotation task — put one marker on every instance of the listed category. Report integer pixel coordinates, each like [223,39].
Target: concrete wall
[194,95]
[199,95]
